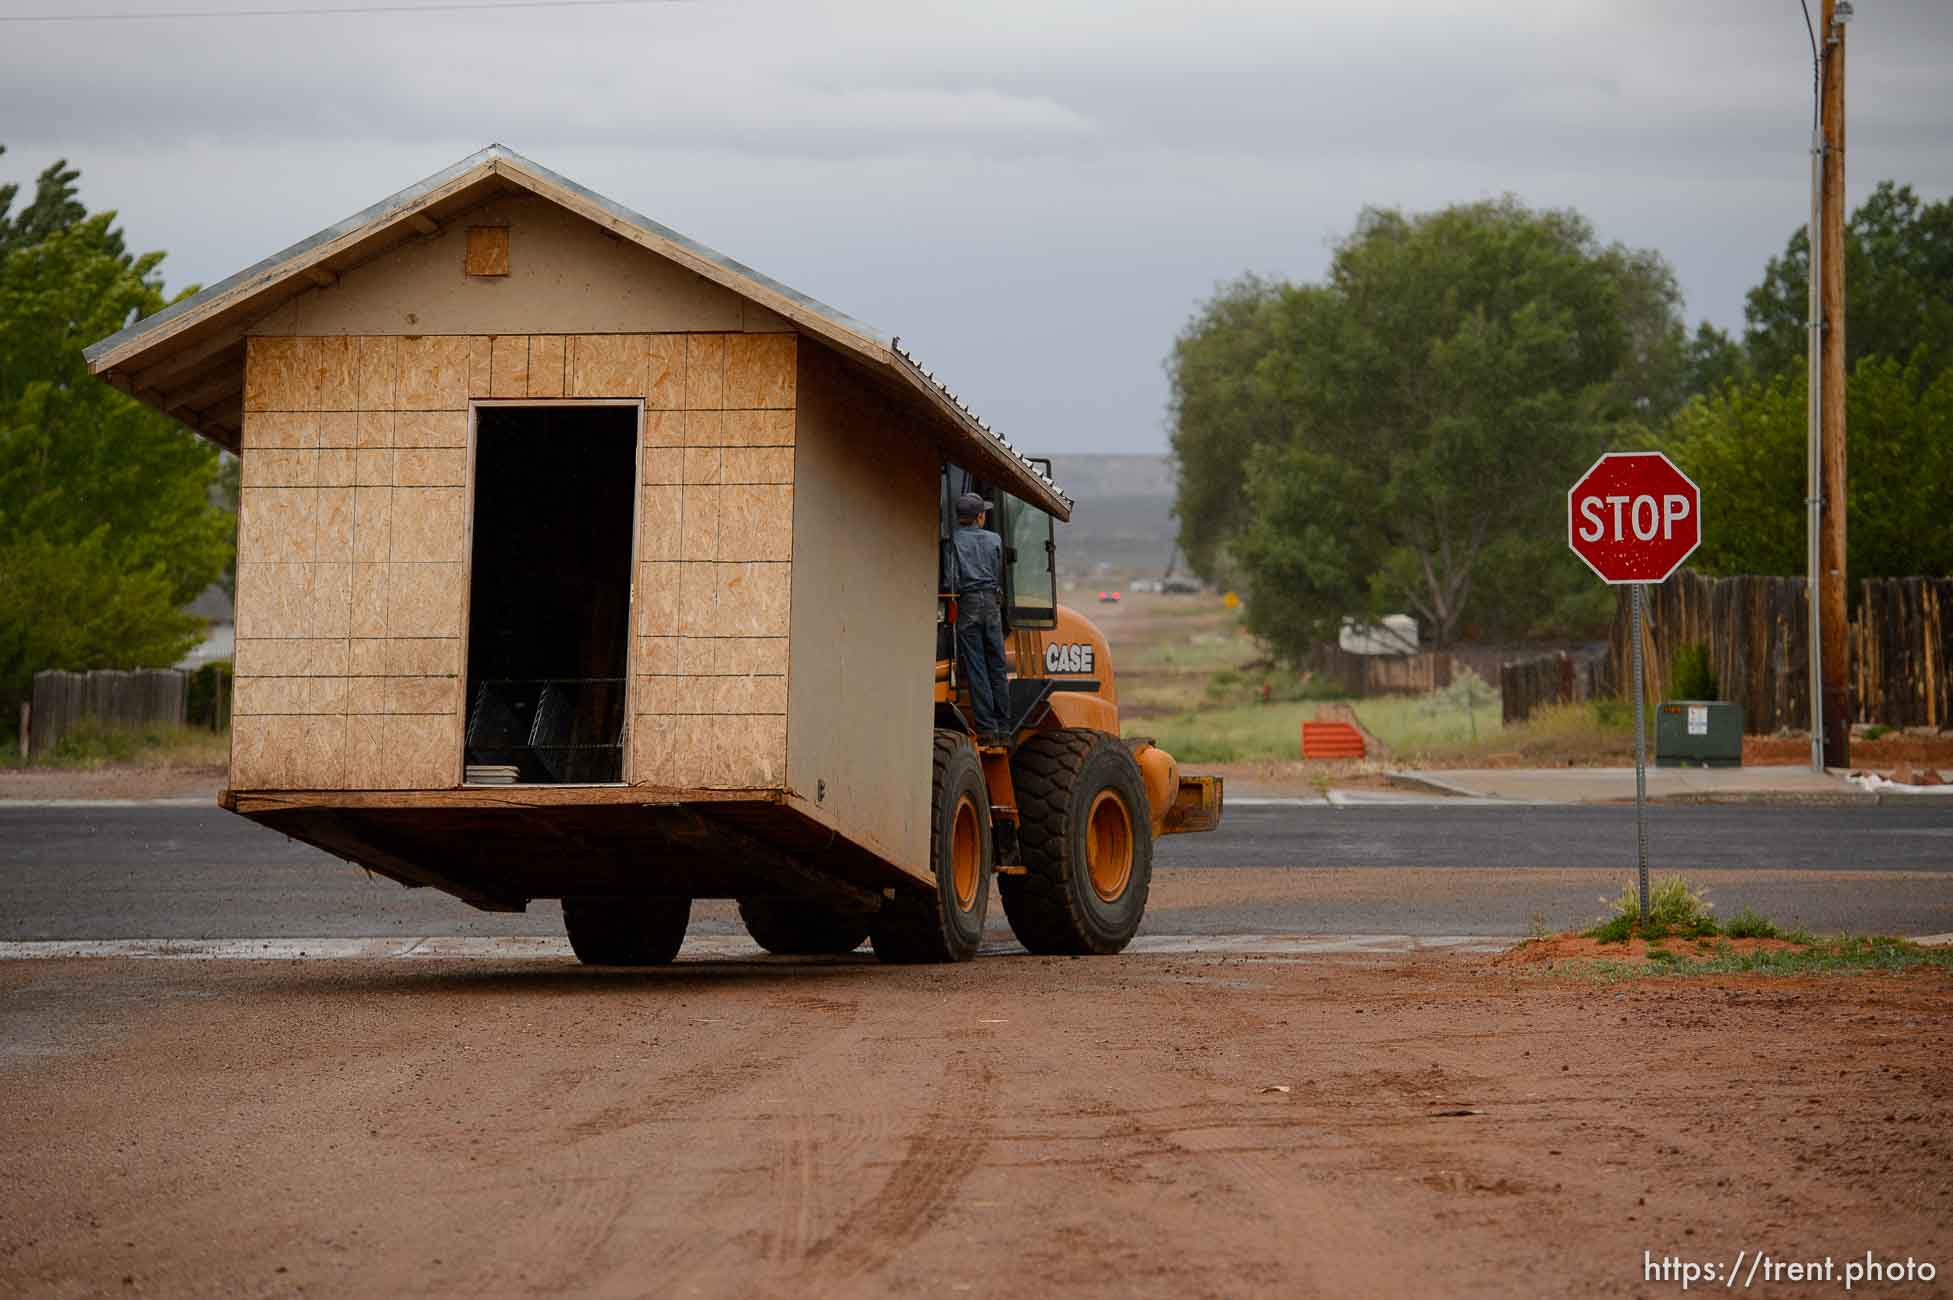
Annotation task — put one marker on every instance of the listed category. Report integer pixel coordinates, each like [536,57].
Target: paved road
[1440,868]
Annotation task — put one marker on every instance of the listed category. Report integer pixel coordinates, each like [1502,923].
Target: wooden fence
[1560,678]
[1365,675]
[118,699]
[1414,674]
[1755,629]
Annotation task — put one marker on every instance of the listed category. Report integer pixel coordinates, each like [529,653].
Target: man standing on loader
[979,557]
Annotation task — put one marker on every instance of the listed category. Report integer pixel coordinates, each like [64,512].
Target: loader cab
[1030,552]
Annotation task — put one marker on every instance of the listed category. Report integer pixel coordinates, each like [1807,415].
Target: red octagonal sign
[1634,517]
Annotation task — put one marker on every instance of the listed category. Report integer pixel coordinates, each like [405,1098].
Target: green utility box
[1698,733]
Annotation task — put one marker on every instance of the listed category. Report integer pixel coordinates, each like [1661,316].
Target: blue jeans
[980,647]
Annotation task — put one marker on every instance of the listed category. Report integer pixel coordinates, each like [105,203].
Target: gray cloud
[1037,197]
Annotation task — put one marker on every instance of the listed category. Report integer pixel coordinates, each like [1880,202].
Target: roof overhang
[187,360]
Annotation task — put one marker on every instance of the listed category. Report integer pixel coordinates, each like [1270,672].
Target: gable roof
[187,360]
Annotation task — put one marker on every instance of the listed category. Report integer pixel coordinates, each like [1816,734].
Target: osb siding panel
[352,544]
[714,587]
[353,555]
[862,615]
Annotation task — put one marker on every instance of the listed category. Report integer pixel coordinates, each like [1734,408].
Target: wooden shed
[570,550]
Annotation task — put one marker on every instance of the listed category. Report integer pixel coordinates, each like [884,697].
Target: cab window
[1032,554]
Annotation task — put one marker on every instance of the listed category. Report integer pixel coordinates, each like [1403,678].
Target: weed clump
[1675,909]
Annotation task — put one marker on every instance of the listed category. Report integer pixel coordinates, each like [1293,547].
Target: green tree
[1745,448]
[1414,421]
[96,490]
[1220,411]
[1898,288]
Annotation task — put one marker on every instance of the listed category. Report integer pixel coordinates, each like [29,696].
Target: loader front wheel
[626,931]
[1086,835]
[947,923]
[789,927]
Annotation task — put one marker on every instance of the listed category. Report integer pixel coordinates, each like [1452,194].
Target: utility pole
[1829,256]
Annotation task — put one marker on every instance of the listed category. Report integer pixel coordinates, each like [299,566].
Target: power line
[313,11]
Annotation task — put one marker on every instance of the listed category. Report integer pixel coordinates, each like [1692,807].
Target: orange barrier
[1331,740]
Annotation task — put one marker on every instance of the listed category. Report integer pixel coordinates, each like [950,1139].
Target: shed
[568,546]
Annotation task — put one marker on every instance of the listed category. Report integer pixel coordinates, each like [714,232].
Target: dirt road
[1170,1126]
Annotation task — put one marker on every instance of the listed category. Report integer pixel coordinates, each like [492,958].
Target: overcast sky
[1034,195]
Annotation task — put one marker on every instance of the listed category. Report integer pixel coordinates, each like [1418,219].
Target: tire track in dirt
[943,1151]
[615,1154]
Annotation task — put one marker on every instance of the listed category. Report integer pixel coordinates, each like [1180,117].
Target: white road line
[199,801]
[707,947]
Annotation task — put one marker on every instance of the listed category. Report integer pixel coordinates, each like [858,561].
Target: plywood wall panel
[664,373]
[304,657]
[430,467]
[434,373]
[509,366]
[338,373]
[863,611]
[373,524]
[336,467]
[480,367]
[332,600]
[353,544]
[280,467]
[424,600]
[547,358]
[278,525]
[759,428]
[661,522]
[760,371]
[664,429]
[759,465]
[430,429]
[378,361]
[755,522]
[369,602]
[270,429]
[375,429]
[606,365]
[700,523]
[335,536]
[429,525]
[705,371]
[423,657]
[281,374]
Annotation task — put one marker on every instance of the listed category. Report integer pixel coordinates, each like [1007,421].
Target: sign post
[1633,518]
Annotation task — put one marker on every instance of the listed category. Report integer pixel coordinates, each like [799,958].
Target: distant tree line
[1401,435]
[111,516]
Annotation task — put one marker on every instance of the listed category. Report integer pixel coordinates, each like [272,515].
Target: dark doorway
[549,613]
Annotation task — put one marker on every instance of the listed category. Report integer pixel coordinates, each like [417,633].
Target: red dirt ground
[1183,1127]
[1576,947]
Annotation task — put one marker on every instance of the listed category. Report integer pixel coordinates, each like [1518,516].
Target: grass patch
[1418,725]
[1228,735]
[93,744]
[1840,954]
[1748,925]
[1675,909]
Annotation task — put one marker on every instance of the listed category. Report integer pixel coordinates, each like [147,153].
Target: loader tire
[626,931]
[789,927]
[1085,831]
[946,924]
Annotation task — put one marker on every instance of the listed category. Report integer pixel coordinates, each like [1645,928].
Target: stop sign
[1634,517]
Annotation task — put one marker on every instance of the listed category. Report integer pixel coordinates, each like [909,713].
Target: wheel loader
[1061,818]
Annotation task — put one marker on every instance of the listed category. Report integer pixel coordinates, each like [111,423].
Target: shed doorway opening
[550,593]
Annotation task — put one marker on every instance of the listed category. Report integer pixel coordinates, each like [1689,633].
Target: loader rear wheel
[1086,834]
[792,928]
[626,931]
[916,927]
